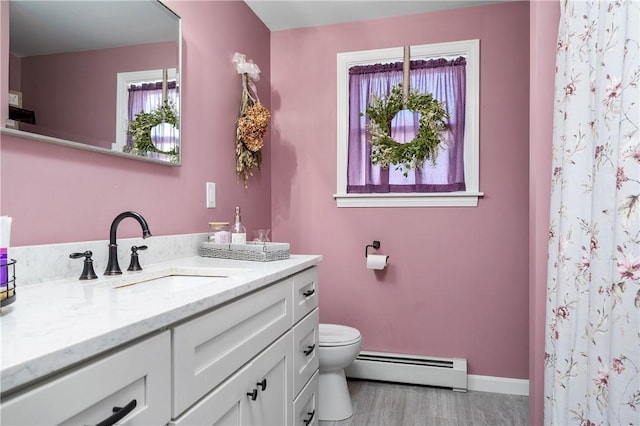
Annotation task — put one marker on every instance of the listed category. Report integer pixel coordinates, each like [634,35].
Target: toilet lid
[338,335]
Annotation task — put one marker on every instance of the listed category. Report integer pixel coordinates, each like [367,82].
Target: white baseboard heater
[419,370]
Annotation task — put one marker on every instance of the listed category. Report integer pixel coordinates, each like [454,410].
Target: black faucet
[113,268]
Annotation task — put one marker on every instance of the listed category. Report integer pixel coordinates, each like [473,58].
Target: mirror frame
[85,147]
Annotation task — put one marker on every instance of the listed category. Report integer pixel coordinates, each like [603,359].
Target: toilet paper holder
[375,245]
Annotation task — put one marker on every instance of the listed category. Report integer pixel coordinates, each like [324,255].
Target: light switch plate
[211,195]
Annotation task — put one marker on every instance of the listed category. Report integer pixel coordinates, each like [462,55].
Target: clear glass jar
[219,232]
[238,231]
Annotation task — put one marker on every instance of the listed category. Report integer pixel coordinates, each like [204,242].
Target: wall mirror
[66,66]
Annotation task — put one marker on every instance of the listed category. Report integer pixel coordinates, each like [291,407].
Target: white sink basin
[180,276]
[175,280]
[208,272]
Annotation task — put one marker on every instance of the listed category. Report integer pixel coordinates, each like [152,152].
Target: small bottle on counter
[238,232]
[219,232]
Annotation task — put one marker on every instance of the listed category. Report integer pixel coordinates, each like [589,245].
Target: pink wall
[59,194]
[544,18]
[74,94]
[458,280]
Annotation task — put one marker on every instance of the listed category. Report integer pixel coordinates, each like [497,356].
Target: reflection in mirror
[147,114]
[70,69]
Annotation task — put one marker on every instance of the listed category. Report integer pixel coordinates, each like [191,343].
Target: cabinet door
[305,293]
[305,407]
[272,385]
[233,404]
[88,394]
[208,349]
[305,350]
[220,408]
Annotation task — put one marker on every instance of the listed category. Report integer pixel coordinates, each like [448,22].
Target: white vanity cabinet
[87,395]
[248,362]
[305,348]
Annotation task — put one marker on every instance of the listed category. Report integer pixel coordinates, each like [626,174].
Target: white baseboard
[498,385]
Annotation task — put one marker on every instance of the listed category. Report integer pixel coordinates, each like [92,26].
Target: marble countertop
[55,325]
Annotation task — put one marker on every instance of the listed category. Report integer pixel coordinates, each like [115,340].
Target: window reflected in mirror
[147,114]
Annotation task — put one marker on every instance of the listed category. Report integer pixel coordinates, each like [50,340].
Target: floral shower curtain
[592,343]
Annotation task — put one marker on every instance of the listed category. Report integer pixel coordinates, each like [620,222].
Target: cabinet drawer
[231,403]
[87,395]
[305,350]
[305,293]
[306,404]
[210,348]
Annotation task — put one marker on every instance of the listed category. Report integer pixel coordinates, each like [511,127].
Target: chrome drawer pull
[309,292]
[309,349]
[118,414]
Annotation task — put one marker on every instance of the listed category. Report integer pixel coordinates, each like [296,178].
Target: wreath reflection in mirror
[253,121]
[140,128]
[433,124]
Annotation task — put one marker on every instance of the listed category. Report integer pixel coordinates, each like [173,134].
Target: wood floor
[390,404]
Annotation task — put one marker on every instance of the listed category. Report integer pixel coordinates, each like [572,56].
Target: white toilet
[339,346]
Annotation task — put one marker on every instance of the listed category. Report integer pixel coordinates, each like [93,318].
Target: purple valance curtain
[446,80]
[151,86]
[147,97]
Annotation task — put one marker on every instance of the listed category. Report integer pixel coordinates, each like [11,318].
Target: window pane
[446,81]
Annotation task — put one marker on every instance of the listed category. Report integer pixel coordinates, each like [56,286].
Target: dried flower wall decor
[252,123]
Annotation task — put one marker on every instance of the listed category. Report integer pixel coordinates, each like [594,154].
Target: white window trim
[124,79]
[469,198]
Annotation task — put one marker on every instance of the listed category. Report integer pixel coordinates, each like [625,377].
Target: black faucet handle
[87,271]
[134,265]
[86,254]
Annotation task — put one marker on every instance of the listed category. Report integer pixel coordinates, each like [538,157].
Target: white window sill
[448,199]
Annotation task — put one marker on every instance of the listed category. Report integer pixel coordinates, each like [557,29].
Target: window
[389,188]
[443,78]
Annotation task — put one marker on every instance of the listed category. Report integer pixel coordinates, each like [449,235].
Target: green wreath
[140,129]
[425,146]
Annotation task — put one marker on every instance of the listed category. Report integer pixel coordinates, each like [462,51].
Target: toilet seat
[332,335]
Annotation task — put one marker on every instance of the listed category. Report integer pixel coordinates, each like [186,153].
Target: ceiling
[46,27]
[288,14]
